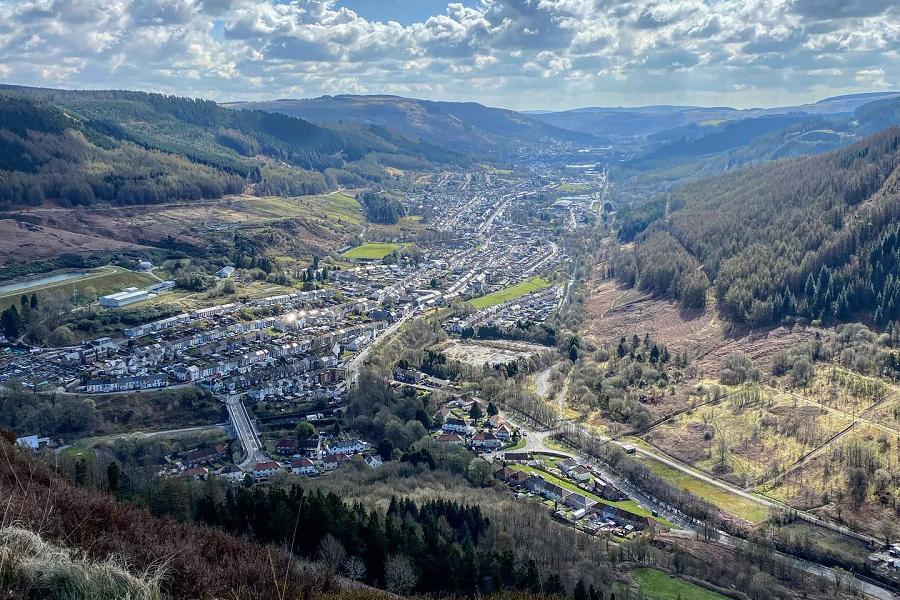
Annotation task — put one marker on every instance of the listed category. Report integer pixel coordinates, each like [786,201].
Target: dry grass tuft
[31,567]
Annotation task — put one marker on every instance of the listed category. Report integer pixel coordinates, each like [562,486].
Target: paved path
[254,451]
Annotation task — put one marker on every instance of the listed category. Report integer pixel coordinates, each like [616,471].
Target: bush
[738,368]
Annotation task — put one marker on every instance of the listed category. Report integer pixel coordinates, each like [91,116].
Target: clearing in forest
[749,437]
[848,480]
[496,353]
[842,390]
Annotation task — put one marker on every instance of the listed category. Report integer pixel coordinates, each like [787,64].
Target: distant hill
[121,147]
[649,120]
[878,114]
[694,140]
[467,125]
[699,150]
[633,122]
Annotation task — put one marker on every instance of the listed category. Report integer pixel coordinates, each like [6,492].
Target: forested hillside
[815,237]
[78,148]
[479,129]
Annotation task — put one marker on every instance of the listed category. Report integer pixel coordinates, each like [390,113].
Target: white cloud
[517,53]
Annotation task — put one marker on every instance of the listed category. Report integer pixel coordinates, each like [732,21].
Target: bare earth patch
[490,353]
[706,337]
[662,319]
[686,444]
[761,346]
[298,225]
[21,241]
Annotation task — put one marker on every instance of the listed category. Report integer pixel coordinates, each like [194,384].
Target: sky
[519,54]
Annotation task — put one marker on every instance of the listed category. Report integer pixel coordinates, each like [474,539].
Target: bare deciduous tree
[399,576]
[354,568]
[332,553]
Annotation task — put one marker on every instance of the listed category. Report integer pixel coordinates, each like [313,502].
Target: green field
[512,292]
[569,186]
[656,585]
[103,281]
[748,510]
[373,250]
[333,207]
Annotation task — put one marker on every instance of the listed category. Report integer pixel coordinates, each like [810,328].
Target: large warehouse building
[124,298]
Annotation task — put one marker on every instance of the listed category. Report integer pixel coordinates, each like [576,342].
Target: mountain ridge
[472,125]
[601,120]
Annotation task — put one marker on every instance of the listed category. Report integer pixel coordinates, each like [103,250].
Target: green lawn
[656,585]
[104,281]
[512,292]
[569,186]
[751,511]
[626,505]
[518,445]
[373,250]
[334,206]
[553,444]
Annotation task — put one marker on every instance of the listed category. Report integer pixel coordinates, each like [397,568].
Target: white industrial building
[125,297]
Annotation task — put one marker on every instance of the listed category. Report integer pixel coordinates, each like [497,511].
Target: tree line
[381,208]
[436,547]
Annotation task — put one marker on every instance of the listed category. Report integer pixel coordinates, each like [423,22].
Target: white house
[346,447]
[485,440]
[372,460]
[225,272]
[503,433]
[579,473]
[304,466]
[232,473]
[457,425]
[265,469]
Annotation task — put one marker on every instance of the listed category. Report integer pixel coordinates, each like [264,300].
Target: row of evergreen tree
[382,209]
[447,545]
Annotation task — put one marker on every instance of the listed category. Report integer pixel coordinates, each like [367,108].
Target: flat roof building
[124,298]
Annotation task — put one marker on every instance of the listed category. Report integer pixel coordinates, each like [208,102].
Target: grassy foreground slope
[35,568]
[189,561]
